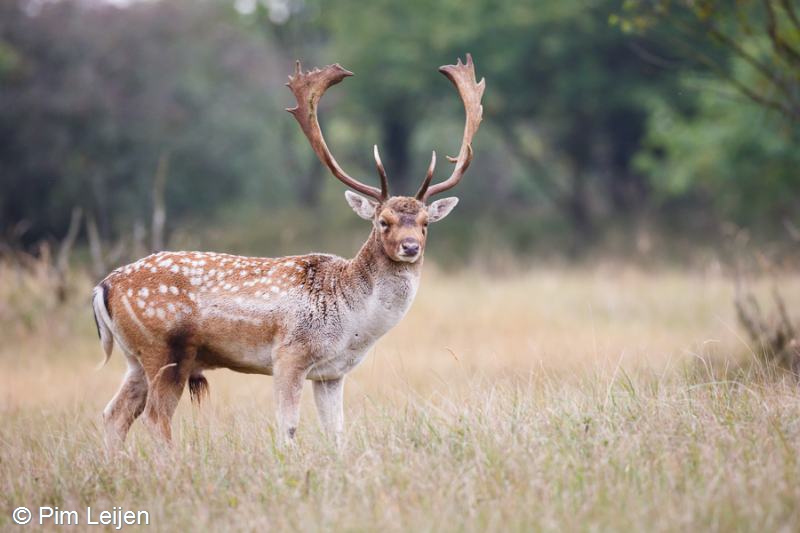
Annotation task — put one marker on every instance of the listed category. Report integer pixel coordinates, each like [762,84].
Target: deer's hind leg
[167,372]
[126,405]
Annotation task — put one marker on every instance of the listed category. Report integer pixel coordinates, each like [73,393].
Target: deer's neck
[378,291]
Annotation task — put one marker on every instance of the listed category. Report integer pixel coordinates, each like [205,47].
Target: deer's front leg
[328,397]
[289,370]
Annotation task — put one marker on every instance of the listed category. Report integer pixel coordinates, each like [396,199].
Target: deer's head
[400,222]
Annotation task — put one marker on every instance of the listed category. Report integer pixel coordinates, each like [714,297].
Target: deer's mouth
[408,257]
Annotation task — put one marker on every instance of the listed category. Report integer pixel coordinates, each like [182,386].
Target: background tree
[94,95]
[594,115]
[734,146]
[753,45]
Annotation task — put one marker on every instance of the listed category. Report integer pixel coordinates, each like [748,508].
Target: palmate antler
[471,92]
[308,88]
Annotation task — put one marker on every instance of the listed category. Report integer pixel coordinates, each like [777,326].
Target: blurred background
[642,129]
[587,341]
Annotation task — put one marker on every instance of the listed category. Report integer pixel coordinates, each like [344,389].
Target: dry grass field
[557,399]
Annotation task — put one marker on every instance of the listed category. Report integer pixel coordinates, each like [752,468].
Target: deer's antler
[463,77]
[308,88]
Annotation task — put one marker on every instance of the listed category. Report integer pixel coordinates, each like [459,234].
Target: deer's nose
[410,247]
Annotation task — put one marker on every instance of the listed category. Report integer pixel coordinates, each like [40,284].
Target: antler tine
[462,75]
[381,172]
[308,88]
[428,176]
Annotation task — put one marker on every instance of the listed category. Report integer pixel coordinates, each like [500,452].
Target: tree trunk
[578,208]
[309,183]
[157,241]
[95,248]
[304,167]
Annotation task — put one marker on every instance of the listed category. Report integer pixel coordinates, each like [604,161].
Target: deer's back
[236,310]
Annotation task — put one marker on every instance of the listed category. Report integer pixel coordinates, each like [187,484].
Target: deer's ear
[364,207]
[441,208]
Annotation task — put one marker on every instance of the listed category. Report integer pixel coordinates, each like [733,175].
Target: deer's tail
[102,318]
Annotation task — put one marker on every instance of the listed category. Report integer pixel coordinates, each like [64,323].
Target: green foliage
[739,158]
[754,46]
[563,100]
[569,102]
[736,147]
[590,108]
[98,95]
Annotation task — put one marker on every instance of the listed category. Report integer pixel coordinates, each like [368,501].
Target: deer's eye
[384,224]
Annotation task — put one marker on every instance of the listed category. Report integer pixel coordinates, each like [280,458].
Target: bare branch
[750,59]
[95,247]
[781,47]
[64,251]
[550,187]
[65,248]
[159,205]
[794,231]
[783,313]
[777,105]
[787,6]
[788,105]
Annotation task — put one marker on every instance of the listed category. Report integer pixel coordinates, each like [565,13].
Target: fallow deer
[315,316]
